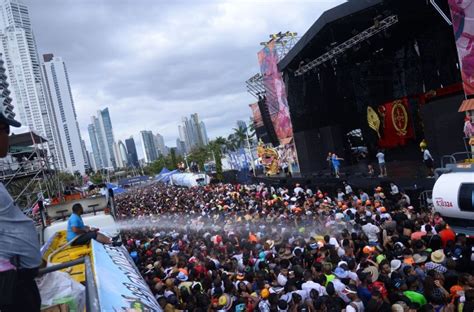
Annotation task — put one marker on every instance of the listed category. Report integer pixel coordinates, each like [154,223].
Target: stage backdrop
[462,14]
[276,93]
[396,124]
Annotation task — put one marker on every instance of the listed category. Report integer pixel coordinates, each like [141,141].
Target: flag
[396,125]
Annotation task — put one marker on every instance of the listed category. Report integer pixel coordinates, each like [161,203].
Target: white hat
[395,264]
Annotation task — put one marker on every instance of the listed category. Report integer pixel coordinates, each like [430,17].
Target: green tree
[240,136]
[215,148]
[200,156]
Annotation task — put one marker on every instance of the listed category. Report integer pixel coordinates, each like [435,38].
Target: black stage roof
[341,11]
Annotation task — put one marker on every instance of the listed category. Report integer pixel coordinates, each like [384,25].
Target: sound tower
[267,121]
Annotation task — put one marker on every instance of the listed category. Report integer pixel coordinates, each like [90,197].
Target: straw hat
[270,243]
[374,272]
[417,258]
[438,256]
[225,301]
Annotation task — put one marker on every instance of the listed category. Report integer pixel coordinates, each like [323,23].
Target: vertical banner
[395,123]
[462,15]
[275,92]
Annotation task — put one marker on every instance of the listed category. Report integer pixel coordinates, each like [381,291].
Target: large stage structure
[373,74]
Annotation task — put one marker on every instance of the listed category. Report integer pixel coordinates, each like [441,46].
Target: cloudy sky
[153,61]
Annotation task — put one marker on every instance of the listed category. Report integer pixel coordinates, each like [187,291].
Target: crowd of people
[266,248]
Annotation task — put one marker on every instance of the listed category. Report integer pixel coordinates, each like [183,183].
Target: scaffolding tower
[27,171]
[283,43]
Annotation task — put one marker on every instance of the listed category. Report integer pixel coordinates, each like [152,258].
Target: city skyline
[216,91]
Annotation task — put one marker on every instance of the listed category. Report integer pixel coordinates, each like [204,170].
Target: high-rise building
[123,153]
[64,119]
[18,46]
[202,127]
[106,124]
[132,152]
[92,161]
[193,132]
[241,124]
[148,145]
[97,159]
[180,147]
[119,163]
[87,160]
[160,145]
[102,139]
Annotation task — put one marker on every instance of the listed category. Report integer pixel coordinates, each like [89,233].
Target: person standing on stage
[329,160]
[381,159]
[428,160]
[336,163]
[20,255]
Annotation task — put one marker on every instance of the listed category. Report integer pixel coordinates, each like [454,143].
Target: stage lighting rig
[343,47]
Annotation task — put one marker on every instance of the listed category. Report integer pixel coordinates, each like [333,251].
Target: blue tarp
[165,176]
[130,181]
[115,188]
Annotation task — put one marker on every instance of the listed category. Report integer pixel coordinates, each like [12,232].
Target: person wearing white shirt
[371,231]
[428,160]
[393,189]
[381,160]
[348,188]
[298,189]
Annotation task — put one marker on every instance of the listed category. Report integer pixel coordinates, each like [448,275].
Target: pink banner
[462,14]
[256,115]
[276,92]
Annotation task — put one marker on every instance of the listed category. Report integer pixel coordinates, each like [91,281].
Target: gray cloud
[152,62]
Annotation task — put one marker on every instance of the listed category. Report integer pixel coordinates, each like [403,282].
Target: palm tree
[240,135]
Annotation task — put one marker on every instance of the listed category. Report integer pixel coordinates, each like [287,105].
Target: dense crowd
[262,248]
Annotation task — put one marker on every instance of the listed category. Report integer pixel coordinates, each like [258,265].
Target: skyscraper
[160,145]
[64,119]
[123,153]
[86,155]
[106,124]
[193,132]
[202,127]
[119,163]
[18,46]
[148,145]
[95,146]
[132,152]
[102,139]
[180,147]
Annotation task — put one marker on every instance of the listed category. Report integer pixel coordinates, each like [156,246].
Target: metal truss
[284,42]
[340,49]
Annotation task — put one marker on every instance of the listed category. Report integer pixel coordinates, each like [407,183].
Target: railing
[426,200]
[92,298]
[455,158]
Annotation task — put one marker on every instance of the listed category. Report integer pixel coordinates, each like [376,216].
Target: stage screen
[275,92]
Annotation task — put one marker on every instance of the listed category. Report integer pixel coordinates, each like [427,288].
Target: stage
[394,88]
[409,176]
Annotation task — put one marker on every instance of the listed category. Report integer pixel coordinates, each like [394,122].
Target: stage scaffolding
[28,171]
